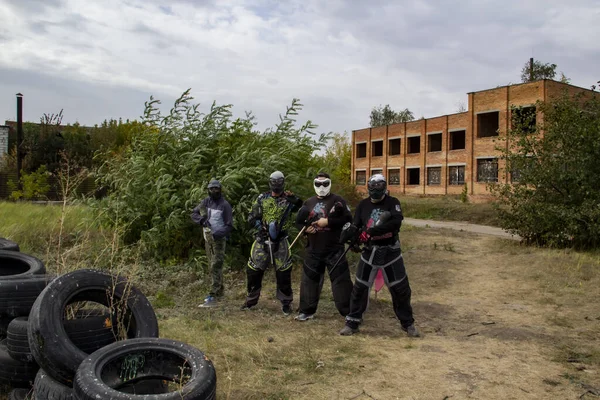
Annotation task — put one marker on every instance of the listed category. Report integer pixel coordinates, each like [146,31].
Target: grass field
[500,321]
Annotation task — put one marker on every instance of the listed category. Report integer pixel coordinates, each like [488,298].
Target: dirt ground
[500,321]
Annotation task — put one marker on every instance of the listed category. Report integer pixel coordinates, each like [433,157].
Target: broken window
[414,145]
[435,142]
[458,140]
[413,176]
[487,170]
[524,119]
[394,176]
[488,124]
[434,175]
[361,150]
[377,148]
[394,146]
[361,177]
[456,175]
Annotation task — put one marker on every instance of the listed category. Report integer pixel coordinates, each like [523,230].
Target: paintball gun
[303,215]
[354,238]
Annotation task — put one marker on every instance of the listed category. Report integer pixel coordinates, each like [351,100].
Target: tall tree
[381,116]
[534,70]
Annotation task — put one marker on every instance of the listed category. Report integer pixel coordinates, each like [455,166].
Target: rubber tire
[15,373]
[15,265]
[17,296]
[20,394]
[4,321]
[49,343]
[202,384]
[44,387]
[16,340]
[9,245]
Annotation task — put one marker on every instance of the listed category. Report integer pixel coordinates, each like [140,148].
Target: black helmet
[214,189]
[377,186]
[277,182]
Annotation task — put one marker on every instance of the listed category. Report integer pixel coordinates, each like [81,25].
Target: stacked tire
[22,279]
[69,351]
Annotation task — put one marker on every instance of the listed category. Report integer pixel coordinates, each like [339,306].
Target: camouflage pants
[215,252]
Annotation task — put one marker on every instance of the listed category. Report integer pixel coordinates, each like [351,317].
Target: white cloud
[340,58]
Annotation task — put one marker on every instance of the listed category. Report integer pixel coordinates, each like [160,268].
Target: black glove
[295,200]
[349,232]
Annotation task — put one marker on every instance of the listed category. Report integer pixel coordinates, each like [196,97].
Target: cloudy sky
[99,59]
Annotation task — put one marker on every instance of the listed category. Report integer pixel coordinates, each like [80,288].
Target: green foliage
[337,162]
[381,116]
[538,71]
[464,195]
[157,181]
[35,185]
[555,201]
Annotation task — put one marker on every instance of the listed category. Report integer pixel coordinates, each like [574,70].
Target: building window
[394,178]
[394,146]
[456,175]
[434,142]
[515,176]
[361,177]
[488,124]
[434,175]
[413,176]
[414,145]
[361,150]
[377,148]
[457,140]
[524,119]
[376,171]
[487,170]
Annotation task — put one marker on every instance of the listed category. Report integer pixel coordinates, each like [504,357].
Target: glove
[292,198]
[364,237]
[349,232]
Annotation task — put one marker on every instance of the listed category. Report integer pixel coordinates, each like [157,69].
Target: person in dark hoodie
[215,215]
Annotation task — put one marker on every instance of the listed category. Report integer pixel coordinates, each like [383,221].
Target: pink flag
[379,282]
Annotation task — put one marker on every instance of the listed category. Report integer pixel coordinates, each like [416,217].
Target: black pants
[313,276]
[260,260]
[390,259]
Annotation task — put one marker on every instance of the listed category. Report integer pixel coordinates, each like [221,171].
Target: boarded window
[488,124]
[361,177]
[414,145]
[434,175]
[457,140]
[434,142]
[394,146]
[377,148]
[394,176]
[456,175]
[413,176]
[361,150]
[487,170]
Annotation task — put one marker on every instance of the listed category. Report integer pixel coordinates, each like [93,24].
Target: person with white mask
[326,213]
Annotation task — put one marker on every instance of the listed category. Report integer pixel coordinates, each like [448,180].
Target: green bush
[35,185]
[156,183]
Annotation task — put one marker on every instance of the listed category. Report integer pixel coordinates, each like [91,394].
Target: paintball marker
[303,215]
[355,238]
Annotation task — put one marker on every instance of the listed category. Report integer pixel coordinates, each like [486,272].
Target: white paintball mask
[322,186]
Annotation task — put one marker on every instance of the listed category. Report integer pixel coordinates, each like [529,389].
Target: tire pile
[88,335]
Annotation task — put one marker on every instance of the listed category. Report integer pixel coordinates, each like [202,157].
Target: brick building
[438,156]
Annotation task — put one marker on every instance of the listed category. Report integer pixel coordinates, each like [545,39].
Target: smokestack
[19,137]
[531,69]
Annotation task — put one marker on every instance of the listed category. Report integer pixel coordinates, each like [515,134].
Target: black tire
[6,244]
[15,373]
[15,265]
[91,333]
[16,340]
[99,375]
[50,345]
[4,321]
[18,295]
[44,387]
[20,394]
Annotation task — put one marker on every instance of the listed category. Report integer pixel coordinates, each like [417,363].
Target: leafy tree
[157,180]
[537,71]
[381,116]
[555,198]
[337,162]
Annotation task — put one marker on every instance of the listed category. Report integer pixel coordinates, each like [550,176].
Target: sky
[102,59]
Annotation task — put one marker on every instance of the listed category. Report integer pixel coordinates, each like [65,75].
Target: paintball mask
[322,186]
[277,182]
[214,189]
[377,186]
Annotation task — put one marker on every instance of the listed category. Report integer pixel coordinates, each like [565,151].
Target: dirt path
[461,226]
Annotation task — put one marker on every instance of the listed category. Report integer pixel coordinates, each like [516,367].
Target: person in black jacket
[327,213]
[381,251]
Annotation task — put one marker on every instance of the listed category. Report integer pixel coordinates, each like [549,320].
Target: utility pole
[19,138]
[531,69]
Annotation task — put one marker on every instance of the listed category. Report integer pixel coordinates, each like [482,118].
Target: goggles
[324,183]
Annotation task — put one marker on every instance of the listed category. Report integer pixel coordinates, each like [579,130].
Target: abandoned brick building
[438,156]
